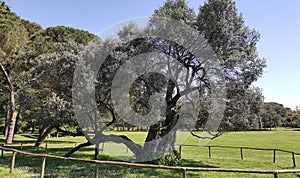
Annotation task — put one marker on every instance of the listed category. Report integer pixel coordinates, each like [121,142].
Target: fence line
[116,163]
[244,148]
[188,145]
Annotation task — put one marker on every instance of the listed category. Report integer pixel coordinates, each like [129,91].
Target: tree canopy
[23,45]
[234,45]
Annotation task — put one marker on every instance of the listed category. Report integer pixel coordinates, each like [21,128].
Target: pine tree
[235,45]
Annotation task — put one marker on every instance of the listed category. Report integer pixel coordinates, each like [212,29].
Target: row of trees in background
[30,81]
[38,66]
[292,118]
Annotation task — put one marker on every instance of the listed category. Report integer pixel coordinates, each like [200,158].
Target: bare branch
[134,147]
[111,110]
[74,134]
[213,135]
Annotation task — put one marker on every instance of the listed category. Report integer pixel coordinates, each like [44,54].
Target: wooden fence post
[242,156]
[96,158]
[43,167]
[209,152]
[97,171]
[2,151]
[294,160]
[102,149]
[13,158]
[184,173]
[274,156]
[275,174]
[180,149]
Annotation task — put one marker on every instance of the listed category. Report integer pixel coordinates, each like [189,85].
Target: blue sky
[276,20]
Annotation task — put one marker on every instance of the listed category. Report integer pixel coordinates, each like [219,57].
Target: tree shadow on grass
[192,163]
[286,167]
[33,141]
[60,168]
[16,141]
[33,136]
[82,153]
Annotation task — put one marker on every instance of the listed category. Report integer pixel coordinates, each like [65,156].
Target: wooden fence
[115,163]
[245,148]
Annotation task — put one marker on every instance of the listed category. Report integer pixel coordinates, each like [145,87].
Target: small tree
[49,92]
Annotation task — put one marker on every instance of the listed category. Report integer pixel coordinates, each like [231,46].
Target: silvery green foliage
[57,109]
[48,93]
[166,62]
[177,10]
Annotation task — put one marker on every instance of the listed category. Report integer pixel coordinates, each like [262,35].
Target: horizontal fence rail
[241,149]
[293,154]
[116,163]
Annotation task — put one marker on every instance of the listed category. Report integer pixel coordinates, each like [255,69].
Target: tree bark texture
[42,136]
[13,112]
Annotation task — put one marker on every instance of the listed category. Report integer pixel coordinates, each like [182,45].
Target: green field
[287,139]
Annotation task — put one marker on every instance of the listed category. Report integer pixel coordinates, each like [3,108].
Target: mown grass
[288,139]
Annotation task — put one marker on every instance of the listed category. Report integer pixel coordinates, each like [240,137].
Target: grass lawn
[288,139]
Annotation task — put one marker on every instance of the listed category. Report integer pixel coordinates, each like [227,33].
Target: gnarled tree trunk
[160,139]
[161,136]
